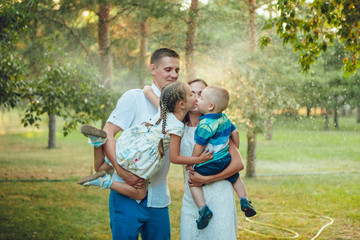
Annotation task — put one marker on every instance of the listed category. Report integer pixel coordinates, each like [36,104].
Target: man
[150,217]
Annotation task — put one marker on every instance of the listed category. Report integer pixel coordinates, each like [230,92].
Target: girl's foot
[97,137]
[103,182]
[92,177]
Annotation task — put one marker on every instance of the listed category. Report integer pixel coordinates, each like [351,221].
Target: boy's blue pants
[217,166]
[128,219]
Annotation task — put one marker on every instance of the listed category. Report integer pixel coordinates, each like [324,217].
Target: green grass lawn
[304,174]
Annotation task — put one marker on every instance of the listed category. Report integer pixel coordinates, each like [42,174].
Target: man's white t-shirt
[132,109]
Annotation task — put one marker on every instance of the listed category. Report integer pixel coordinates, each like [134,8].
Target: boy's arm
[236,165]
[176,158]
[235,137]
[110,152]
[149,93]
[202,135]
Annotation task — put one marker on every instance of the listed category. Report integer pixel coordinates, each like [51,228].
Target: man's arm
[236,165]
[110,152]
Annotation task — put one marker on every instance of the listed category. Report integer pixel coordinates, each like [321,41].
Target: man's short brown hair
[163,52]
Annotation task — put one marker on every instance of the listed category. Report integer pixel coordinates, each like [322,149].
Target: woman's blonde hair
[170,96]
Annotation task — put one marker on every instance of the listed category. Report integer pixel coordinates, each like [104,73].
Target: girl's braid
[163,118]
[168,100]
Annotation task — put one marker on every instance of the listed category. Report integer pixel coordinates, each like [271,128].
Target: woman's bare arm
[236,165]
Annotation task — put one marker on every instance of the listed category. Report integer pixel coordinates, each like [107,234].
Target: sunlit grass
[53,211]
[64,210]
[281,201]
[304,147]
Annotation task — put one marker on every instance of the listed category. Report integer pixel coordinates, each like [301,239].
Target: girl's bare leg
[99,160]
[100,166]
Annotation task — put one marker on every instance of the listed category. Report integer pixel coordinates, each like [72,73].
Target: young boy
[213,132]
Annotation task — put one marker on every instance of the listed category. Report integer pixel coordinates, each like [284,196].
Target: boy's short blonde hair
[220,97]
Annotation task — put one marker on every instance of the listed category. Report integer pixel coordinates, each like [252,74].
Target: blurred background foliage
[74,59]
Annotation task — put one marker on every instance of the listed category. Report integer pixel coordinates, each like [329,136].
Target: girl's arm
[149,94]
[198,149]
[236,165]
[176,158]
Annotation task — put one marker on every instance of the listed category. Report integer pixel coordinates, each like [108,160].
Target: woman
[219,195]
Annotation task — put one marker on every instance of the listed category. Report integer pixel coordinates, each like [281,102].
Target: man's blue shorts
[217,166]
[128,219]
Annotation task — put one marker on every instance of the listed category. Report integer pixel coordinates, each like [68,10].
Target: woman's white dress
[219,196]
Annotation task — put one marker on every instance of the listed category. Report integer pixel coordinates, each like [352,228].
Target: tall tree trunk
[106,65]
[336,118]
[252,25]
[52,131]
[251,153]
[358,113]
[191,35]
[327,119]
[251,135]
[143,52]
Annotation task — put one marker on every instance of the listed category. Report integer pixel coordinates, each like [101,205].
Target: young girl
[141,149]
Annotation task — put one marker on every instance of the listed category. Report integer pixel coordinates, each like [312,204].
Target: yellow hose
[295,234]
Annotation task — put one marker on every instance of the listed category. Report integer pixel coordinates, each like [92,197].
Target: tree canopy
[312,26]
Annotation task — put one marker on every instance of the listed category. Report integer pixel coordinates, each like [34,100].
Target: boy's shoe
[247,208]
[204,218]
[92,177]
[97,137]
[103,182]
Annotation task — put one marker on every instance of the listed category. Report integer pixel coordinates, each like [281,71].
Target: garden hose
[295,234]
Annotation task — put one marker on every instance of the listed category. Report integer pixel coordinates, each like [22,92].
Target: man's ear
[211,107]
[152,69]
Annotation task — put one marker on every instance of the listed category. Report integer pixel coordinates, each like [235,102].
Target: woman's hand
[205,156]
[189,167]
[196,179]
